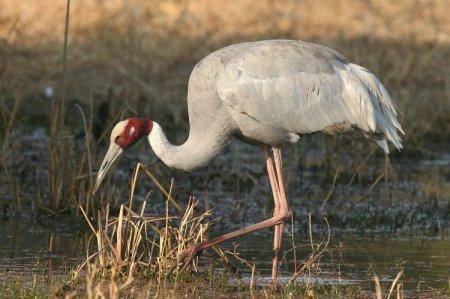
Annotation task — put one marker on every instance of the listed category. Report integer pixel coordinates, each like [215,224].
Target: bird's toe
[186,258]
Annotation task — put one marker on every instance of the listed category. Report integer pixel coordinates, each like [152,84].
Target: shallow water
[425,261]
[27,247]
[406,228]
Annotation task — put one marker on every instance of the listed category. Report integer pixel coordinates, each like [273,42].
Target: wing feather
[305,88]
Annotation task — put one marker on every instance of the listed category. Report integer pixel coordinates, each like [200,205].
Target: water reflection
[356,259]
[26,246]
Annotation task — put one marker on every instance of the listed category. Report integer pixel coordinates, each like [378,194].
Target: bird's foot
[186,257]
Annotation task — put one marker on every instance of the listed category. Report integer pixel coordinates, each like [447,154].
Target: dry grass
[395,288]
[312,263]
[146,49]
[135,245]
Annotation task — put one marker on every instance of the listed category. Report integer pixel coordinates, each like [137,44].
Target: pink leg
[276,250]
[281,214]
[280,175]
[278,229]
[270,164]
[282,210]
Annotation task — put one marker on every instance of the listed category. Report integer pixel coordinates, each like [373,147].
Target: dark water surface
[356,259]
[26,246]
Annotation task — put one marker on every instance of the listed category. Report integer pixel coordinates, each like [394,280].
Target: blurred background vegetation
[142,52]
[134,57]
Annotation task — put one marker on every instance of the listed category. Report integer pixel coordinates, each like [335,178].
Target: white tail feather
[377,107]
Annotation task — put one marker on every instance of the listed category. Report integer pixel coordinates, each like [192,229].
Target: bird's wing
[305,88]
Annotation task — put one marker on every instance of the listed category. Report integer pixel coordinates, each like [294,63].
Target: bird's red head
[125,134]
[128,132]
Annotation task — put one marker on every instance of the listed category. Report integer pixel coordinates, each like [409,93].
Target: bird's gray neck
[197,151]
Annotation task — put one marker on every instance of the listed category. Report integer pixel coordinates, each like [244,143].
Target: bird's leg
[282,209]
[280,215]
[189,254]
[270,164]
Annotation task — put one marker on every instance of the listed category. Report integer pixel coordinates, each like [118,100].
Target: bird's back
[291,88]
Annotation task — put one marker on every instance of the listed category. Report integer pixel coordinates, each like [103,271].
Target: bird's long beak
[113,153]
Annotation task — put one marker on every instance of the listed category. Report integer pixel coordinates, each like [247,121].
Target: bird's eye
[118,137]
[132,131]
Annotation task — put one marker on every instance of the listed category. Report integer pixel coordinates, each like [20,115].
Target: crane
[266,93]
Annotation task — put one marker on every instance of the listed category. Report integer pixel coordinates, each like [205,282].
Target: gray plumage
[271,92]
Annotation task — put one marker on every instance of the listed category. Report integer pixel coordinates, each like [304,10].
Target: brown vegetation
[142,52]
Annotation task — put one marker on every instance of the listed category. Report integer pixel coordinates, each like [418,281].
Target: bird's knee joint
[287,216]
[284,215]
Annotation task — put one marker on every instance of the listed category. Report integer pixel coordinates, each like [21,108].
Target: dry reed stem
[317,250]
[124,249]
[10,172]
[87,151]
[333,185]
[160,187]
[361,164]
[378,292]
[396,284]
[9,123]
[397,278]
[12,182]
